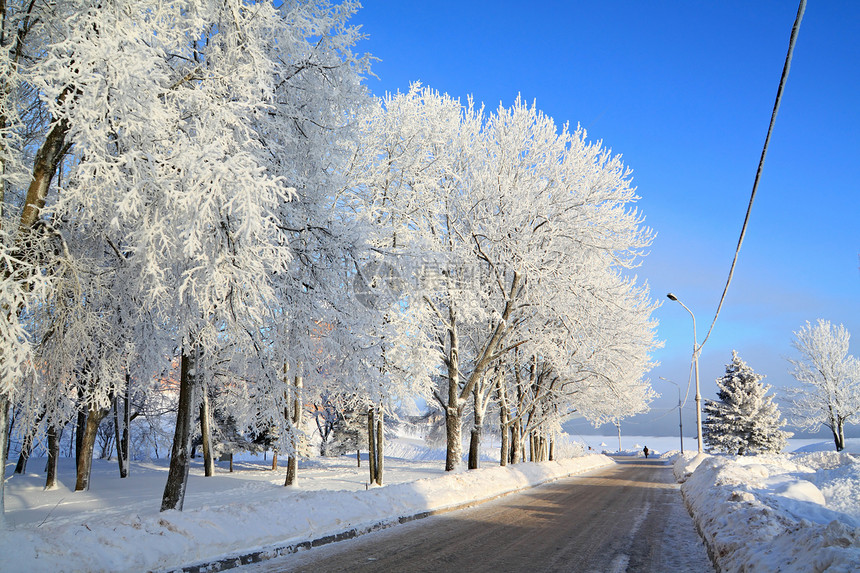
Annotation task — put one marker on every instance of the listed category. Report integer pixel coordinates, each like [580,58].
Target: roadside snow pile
[790,512]
[838,480]
[145,541]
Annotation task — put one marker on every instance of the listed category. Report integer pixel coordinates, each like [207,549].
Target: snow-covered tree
[168,116]
[317,329]
[31,148]
[744,420]
[529,227]
[828,393]
[165,171]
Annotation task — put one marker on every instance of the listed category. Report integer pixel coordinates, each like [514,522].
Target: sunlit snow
[116,526]
[788,512]
[794,512]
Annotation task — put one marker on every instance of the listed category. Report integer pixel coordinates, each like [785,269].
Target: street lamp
[680,416]
[696,350]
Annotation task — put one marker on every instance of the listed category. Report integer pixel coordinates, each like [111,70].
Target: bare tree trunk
[380,447]
[85,461]
[475,447]
[518,447]
[838,435]
[453,411]
[54,435]
[371,444]
[24,454]
[477,429]
[453,429]
[10,425]
[292,469]
[293,460]
[552,450]
[71,449]
[274,459]
[504,417]
[323,444]
[4,444]
[27,446]
[231,462]
[488,354]
[358,457]
[524,440]
[120,426]
[80,430]
[532,447]
[206,433]
[47,160]
[516,443]
[126,428]
[177,476]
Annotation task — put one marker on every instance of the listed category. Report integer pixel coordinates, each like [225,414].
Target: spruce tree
[744,420]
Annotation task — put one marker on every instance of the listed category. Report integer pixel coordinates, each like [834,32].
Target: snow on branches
[211,198]
[744,420]
[531,230]
[828,390]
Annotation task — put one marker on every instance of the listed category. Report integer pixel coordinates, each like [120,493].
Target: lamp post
[696,368]
[680,415]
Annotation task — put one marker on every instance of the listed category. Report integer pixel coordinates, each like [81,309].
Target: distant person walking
[647,451]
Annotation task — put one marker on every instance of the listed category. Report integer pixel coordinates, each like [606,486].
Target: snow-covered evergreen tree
[744,420]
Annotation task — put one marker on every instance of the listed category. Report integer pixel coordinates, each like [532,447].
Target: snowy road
[628,517]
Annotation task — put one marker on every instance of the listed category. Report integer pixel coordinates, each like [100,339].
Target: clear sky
[684,92]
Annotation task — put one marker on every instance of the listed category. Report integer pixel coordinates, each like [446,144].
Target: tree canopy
[828,389]
[201,199]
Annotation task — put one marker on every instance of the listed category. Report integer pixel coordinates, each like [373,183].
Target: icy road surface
[628,517]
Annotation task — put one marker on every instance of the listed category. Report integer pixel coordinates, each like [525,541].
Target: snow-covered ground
[663,444]
[790,512]
[117,526]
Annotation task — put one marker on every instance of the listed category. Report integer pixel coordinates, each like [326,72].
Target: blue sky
[684,92]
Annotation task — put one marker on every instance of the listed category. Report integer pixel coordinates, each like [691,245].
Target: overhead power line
[794,30]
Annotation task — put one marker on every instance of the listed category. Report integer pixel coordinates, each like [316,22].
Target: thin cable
[689,383]
[794,30]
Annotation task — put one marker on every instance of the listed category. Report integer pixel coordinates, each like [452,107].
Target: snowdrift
[788,512]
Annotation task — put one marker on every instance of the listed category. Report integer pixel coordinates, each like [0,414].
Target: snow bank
[775,512]
[685,464]
[161,541]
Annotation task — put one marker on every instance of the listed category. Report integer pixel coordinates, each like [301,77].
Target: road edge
[259,555]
